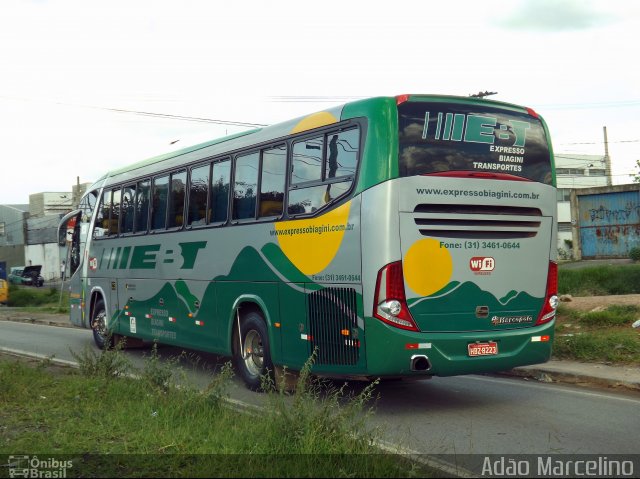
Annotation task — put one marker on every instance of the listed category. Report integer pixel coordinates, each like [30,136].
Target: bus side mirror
[66,227]
[71,226]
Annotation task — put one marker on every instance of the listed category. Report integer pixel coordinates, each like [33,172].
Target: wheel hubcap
[99,324]
[253,352]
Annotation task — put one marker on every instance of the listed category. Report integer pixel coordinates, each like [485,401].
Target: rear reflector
[540,339]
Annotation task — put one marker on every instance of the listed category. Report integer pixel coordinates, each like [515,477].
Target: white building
[49,203]
[572,172]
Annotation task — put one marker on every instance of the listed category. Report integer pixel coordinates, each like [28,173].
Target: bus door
[69,235]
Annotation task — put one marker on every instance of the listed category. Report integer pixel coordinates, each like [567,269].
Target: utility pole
[607,158]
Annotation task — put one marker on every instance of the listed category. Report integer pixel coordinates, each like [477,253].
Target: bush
[600,280]
[612,316]
[106,363]
[634,254]
[28,296]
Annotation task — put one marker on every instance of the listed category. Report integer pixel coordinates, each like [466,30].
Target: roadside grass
[600,280]
[601,336]
[110,424]
[32,299]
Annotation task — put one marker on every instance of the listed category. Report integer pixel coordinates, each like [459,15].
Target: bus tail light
[551,297]
[533,113]
[400,99]
[390,302]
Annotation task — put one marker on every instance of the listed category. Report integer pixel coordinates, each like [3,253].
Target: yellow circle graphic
[315,120]
[427,267]
[311,244]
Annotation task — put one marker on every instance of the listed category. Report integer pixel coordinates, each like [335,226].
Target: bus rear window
[442,137]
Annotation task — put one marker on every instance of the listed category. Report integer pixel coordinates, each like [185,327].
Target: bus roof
[257,136]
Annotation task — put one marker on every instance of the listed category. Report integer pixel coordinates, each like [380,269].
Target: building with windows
[573,172]
[29,233]
[13,228]
[49,203]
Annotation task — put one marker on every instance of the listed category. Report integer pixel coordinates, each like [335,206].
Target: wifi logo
[482,264]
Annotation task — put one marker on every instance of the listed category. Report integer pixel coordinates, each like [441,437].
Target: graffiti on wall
[612,235]
[610,224]
[615,216]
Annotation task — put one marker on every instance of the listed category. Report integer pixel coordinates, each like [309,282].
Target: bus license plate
[483,349]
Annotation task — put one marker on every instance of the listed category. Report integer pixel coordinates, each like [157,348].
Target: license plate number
[483,349]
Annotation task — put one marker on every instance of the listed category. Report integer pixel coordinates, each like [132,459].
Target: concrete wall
[14,219]
[48,255]
[12,255]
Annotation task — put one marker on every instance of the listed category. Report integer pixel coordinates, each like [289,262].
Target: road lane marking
[539,386]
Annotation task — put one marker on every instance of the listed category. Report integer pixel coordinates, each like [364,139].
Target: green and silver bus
[406,236]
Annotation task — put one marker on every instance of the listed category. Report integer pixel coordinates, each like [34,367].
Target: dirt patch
[589,303]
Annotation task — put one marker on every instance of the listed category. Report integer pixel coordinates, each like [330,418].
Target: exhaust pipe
[420,362]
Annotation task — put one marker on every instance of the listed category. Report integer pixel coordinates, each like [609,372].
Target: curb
[40,321]
[546,375]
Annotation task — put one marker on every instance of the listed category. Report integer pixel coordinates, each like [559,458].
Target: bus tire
[256,361]
[99,326]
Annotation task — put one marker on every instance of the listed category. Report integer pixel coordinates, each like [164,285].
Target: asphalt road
[459,415]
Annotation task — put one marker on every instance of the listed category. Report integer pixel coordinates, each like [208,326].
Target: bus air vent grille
[333,321]
[477,221]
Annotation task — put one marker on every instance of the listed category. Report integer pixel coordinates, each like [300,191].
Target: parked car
[4,291]
[26,275]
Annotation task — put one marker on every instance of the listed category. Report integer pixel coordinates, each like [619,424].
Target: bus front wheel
[252,356]
[99,326]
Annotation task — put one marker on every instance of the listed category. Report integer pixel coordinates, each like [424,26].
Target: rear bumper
[447,353]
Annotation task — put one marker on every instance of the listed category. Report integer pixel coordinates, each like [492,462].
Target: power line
[181,117]
[146,113]
[313,99]
[583,106]
[599,142]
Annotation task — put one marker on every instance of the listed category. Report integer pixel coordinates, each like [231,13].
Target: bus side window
[342,154]
[308,200]
[219,192]
[307,160]
[175,218]
[115,212]
[244,186]
[198,184]
[87,205]
[159,205]
[274,163]
[128,198]
[142,206]
[102,215]
[314,185]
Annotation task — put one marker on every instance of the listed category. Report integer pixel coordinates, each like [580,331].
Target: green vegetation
[111,425]
[603,336]
[634,254]
[46,300]
[600,280]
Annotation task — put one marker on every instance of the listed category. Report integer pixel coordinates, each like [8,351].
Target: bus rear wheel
[252,356]
[101,335]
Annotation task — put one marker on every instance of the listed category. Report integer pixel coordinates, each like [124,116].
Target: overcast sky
[67,66]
